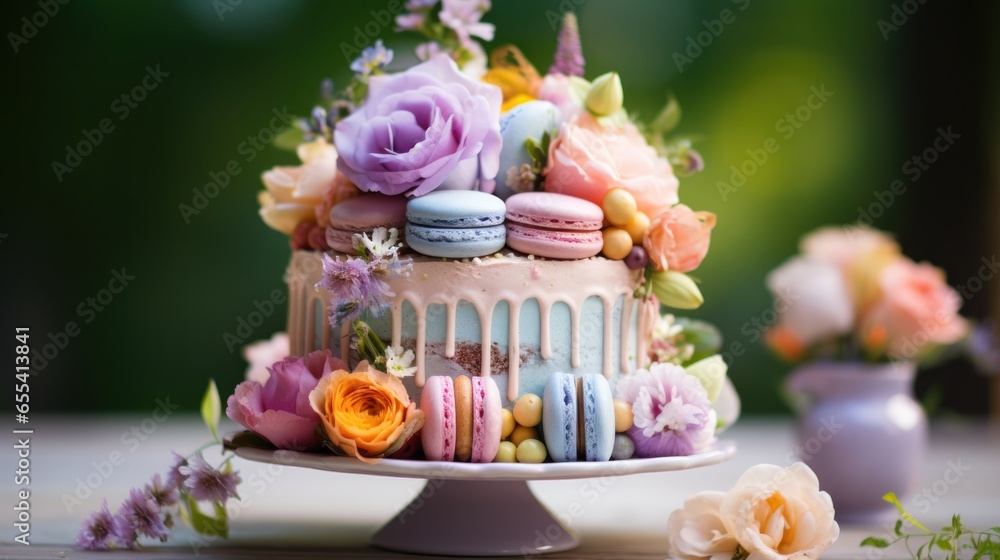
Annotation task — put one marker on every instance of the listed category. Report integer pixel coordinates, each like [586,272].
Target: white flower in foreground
[780,513]
[697,531]
[383,244]
[398,362]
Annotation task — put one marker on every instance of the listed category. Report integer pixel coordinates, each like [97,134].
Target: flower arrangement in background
[852,294]
[191,486]
[771,513]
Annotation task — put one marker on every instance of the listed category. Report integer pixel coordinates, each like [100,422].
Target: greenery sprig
[952,539]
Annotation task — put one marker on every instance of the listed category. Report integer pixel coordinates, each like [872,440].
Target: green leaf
[943,544]
[668,118]
[899,528]
[892,499]
[290,138]
[205,524]
[706,338]
[876,542]
[211,409]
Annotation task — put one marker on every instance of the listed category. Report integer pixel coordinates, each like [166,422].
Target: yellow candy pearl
[619,206]
[637,227]
[522,433]
[617,243]
[623,415]
[508,424]
[528,410]
[531,451]
[507,453]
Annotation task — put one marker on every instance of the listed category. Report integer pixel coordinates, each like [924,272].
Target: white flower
[697,530]
[398,362]
[382,245]
[811,298]
[780,513]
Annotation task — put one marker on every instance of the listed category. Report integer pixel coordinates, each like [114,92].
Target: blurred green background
[229,64]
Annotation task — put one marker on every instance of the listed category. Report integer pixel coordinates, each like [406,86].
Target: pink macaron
[463,419]
[553,225]
[362,214]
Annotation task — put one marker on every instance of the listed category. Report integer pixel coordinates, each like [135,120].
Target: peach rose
[780,513]
[293,193]
[916,308]
[678,238]
[367,413]
[586,160]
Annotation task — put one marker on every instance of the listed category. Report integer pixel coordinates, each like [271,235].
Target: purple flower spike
[139,515]
[98,531]
[205,483]
[568,59]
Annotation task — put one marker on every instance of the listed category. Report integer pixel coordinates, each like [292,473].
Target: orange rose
[916,309]
[367,413]
[678,238]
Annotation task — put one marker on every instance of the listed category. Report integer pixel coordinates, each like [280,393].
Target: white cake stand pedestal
[486,509]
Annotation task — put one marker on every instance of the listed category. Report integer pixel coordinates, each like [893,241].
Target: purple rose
[422,129]
[279,409]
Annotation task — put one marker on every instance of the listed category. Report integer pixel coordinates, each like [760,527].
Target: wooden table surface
[298,513]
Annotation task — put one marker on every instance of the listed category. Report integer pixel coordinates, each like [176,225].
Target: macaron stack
[555,226]
[456,224]
[462,419]
[362,214]
[578,417]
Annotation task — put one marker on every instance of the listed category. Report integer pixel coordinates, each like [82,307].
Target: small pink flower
[586,160]
[463,16]
[279,409]
[261,354]
[678,239]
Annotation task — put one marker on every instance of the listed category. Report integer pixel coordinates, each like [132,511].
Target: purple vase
[862,433]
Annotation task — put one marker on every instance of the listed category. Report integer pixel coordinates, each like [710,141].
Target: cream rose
[293,193]
[698,531]
[779,513]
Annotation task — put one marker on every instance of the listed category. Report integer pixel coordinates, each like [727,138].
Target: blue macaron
[578,417]
[456,224]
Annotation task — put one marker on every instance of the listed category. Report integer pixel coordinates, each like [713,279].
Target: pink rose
[678,239]
[916,308]
[279,409]
[587,160]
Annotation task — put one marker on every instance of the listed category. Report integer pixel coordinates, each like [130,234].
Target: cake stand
[468,509]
